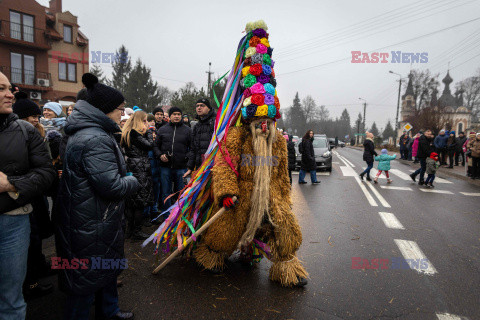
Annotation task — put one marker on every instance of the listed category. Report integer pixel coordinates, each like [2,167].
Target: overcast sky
[177,40]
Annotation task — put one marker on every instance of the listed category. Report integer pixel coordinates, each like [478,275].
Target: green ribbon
[190,226]
[213,89]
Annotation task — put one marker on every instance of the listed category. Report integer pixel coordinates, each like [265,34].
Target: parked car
[341,144]
[331,141]
[323,156]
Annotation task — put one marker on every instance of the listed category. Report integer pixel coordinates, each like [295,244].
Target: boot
[139,235]
[368,178]
[37,290]
[431,185]
[413,176]
[123,315]
[361,175]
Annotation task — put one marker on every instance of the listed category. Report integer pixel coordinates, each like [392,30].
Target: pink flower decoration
[247,93]
[261,48]
[257,88]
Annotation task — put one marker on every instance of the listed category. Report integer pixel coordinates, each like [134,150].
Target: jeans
[367,170]
[167,176]
[302,173]
[410,154]
[14,242]
[106,303]
[430,178]
[422,169]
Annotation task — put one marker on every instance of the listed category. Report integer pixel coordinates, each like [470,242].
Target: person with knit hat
[461,139]
[91,202]
[368,154]
[128,112]
[384,164]
[468,153]
[432,167]
[52,117]
[159,117]
[28,110]
[474,151]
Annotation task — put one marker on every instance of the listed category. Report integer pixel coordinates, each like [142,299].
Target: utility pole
[364,112]
[398,102]
[209,78]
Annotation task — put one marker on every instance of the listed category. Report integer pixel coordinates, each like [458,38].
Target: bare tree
[424,82]
[471,98]
[432,117]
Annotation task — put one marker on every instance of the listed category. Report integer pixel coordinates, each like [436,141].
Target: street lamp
[398,102]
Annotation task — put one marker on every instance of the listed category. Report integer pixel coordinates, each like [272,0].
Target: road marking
[323,173]
[351,164]
[391,221]
[396,188]
[345,160]
[437,179]
[335,162]
[379,196]
[410,250]
[367,194]
[448,316]
[400,174]
[436,191]
[348,171]
[470,194]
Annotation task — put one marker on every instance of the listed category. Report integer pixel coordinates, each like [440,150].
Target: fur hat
[24,107]
[101,96]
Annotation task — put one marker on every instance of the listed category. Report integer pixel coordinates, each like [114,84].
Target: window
[67,33]
[460,127]
[67,71]
[22,68]
[22,26]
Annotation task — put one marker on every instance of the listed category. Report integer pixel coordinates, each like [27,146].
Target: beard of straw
[262,147]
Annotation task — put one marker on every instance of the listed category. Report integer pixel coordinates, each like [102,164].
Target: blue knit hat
[384,151]
[54,106]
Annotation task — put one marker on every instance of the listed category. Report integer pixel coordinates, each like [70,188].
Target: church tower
[408,105]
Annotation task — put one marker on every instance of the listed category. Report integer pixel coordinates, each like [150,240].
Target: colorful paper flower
[276,102]
[257,58]
[266,69]
[256,69]
[266,59]
[251,110]
[262,111]
[263,78]
[259,33]
[268,99]
[272,111]
[254,41]
[248,62]
[273,82]
[261,48]
[257,88]
[250,26]
[249,81]
[250,52]
[260,24]
[245,71]
[247,101]
[265,42]
[278,115]
[268,88]
[272,64]
[258,99]
[247,93]
[273,73]
[244,112]
[270,51]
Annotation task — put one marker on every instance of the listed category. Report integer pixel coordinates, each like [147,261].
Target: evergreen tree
[357,128]
[388,132]
[96,70]
[121,70]
[297,117]
[344,123]
[374,129]
[185,98]
[141,90]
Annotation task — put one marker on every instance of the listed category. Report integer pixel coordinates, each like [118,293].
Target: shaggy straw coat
[223,237]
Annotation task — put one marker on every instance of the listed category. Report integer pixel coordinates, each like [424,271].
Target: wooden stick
[189,240]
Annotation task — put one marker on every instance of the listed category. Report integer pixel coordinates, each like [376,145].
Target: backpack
[23,127]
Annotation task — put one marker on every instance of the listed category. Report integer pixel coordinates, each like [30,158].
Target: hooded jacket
[202,134]
[91,200]
[384,161]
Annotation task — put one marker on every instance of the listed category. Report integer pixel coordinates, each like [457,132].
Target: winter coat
[460,142]
[451,144]
[292,158]
[158,125]
[369,150]
[415,147]
[425,147]
[432,166]
[404,140]
[384,161]
[440,141]
[91,197]
[173,140]
[25,160]
[308,155]
[138,163]
[202,134]
[474,146]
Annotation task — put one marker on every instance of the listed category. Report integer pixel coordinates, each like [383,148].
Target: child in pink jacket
[415,147]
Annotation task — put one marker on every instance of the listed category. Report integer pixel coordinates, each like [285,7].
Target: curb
[441,170]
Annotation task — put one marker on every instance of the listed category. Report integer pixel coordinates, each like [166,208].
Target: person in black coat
[25,173]
[308,159]
[202,134]
[459,148]
[172,148]
[369,155]
[137,142]
[451,148]
[292,157]
[91,197]
[159,117]
[425,148]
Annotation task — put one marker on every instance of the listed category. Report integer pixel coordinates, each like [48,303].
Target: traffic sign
[360,134]
[407,127]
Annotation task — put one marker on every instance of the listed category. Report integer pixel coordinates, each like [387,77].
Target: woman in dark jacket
[292,157]
[368,155]
[451,148]
[93,187]
[138,141]
[308,159]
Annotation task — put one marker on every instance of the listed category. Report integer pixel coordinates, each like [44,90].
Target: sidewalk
[457,172]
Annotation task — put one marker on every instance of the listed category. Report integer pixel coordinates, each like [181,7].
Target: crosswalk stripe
[448,316]
[437,179]
[436,191]
[400,174]
[396,188]
[391,221]
[369,197]
[470,194]
[348,171]
[378,195]
[411,251]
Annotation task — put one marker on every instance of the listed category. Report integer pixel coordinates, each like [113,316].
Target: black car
[323,156]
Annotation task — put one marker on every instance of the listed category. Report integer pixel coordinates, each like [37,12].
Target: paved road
[342,218]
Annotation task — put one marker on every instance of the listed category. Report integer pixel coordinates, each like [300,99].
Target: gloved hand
[228,202]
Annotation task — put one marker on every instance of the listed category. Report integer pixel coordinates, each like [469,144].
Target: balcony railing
[27,77]
[23,35]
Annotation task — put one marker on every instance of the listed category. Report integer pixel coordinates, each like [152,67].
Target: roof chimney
[56,6]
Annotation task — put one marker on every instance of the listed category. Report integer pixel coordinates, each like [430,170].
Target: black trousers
[134,219]
[476,167]
[457,155]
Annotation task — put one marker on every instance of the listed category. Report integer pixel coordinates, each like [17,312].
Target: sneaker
[375,180]
[37,290]
[123,315]
[139,235]
[431,185]
[368,179]
[302,182]
[413,176]
[421,183]
[301,282]
[389,180]
[316,182]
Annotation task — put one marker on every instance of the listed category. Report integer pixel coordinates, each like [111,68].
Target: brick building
[42,50]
